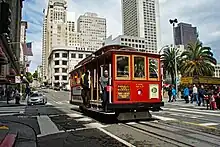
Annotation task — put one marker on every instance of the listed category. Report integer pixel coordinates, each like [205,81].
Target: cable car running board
[125,116]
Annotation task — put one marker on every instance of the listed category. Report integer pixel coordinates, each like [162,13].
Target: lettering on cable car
[139,86]
[123,92]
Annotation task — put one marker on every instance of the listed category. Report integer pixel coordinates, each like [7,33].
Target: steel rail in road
[178,136]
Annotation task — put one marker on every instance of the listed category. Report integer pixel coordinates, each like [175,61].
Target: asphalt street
[57,124]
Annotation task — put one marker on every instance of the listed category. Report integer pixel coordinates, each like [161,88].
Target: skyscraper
[140,18]
[92,29]
[184,33]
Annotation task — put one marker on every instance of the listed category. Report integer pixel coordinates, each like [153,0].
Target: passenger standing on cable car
[85,91]
[104,83]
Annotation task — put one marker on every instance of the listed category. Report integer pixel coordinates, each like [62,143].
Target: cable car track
[177,136]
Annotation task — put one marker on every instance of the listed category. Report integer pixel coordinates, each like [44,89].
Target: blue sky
[201,13]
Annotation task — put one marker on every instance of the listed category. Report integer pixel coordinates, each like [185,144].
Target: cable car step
[124,116]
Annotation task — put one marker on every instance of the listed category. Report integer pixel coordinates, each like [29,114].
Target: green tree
[29,77]
[35,74]
[197,60]
[168,60]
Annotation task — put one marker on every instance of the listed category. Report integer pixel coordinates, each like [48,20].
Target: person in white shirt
[195,94]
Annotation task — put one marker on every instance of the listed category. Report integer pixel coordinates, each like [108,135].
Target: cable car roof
[110,48]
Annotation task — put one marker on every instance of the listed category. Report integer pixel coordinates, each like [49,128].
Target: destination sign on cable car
[123,92]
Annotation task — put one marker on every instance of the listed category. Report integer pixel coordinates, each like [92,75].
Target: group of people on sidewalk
[11,93]
[209,95]
[203,95]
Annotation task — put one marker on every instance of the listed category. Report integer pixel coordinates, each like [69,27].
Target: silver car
[36,98]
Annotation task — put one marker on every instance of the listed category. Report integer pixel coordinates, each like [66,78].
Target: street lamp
[173,22]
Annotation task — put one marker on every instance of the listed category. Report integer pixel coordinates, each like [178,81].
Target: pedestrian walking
[173,94]
[195,94]
[186,94]
[170,93]
[201,96]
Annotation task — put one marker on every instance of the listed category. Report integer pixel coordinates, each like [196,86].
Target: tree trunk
[172,78]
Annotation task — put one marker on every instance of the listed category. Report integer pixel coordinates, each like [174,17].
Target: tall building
[140,18]
[54,30]
[92,29]
[184,33]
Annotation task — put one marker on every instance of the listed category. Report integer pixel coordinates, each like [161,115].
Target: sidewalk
[3,103]
[17,134]
[181,103]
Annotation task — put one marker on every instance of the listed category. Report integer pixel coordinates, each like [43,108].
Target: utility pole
[173,22]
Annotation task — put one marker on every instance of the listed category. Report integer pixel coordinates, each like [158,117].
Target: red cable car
[134,85]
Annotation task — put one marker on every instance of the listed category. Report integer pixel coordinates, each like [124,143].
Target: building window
[56,77]
[80,55]
[64,62]
[57,55]
[64,77]
[64,55]
[73,55]
[87,55]
[56,62]
[64,70]
[56,70]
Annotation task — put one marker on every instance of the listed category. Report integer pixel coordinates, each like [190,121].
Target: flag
[27,49]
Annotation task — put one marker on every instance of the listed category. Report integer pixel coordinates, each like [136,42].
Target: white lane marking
[7,114]
[59,103]
[48,103]
[21,112]
[116,137]
[192,111]
[131,123]
[46,125]
[211,111]
[75,115]
[185,115]
[84,119]
[209,124]
[95,125]
[163,118]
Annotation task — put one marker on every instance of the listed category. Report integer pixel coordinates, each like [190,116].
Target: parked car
[36,98]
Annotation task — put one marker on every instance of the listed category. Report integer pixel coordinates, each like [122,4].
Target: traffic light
[5,18]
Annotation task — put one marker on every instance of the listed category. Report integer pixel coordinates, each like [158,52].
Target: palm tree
[168,60]
[197,60]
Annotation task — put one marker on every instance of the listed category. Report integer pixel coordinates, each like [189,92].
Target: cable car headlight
[139,92]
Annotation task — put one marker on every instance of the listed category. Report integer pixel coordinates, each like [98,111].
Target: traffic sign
[17,79]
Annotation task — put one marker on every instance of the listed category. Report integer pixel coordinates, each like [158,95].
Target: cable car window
[122,66]
[153,68]
[139,64]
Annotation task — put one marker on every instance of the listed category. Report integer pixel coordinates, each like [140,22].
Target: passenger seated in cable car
[104,88]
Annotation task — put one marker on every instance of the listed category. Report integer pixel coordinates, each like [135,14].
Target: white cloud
[201,13]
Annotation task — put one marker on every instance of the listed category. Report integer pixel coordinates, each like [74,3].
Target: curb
[9,140]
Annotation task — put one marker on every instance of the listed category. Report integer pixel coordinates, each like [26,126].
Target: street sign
[17,79]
